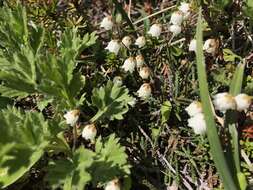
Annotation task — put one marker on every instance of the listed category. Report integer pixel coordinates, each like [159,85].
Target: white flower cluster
[177,18]
[225,101]
[197,120]
[210,46]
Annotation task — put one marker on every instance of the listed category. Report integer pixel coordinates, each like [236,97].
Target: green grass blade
[212,134]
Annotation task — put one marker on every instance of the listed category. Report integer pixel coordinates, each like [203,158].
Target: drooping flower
[193,45]
[155,30]
[144,91]
[113,46]
[133,102]
[175,29]
[185,9]
[107,23]
[118,80]
[198,124]
[113,185]
[144,72]
[224,101]
[89,132]
[139,60]
[210,46]
[243,101]
[127,41]
[194,108]
[140,41]
[177,18]
[129,64]
[72,117]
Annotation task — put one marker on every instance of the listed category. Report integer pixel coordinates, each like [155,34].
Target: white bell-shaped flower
[175,29]
[194,108]
[144,91]
[127,41]
[129,65]
[193,45]
[243,101]
[224,101]
[113,185]
[185,9]
[72,117]
[118,80]
[177,18]
[89,132]
[139,60]
[113,46]
[155,30]
[198,124]
[140,41]
[107,23]
[210,46]
[144,72]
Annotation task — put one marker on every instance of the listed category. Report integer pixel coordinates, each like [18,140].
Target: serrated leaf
[73,171]
[110,161]
[111,101]
[28,135]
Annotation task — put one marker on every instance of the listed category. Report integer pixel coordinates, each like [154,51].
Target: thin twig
[154,14]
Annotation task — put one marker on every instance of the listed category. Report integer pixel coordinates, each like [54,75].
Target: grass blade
[212,134]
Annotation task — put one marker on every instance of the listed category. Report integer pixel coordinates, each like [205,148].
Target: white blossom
[155,30]
[144,72]
[89,132]
[198,124]
[129,65]
[113,46]
[113,185]
[72,117]
[177,18]
[140,41]
[193,45]
[107,23]
[224,101]
[210,46]
[175,29]
[144,91]
[127,41]
[194,108]
[139,60]
[117,80]
[243,101]
[185,9]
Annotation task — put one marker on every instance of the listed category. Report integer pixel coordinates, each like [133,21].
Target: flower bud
[198,124]
[127,41]
[72,117]
[129,65]
[144,72]
[155,30]
[117,80]
[175,29]
[113,185]
[140,41]
[139,60]
[113,46]
[107,23]
[144,91]
[224,101]
[211,46]
[176,18]
[193,45]
[194,108]
[243,101]
[89,132]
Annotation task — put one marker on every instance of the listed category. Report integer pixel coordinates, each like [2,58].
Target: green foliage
[110,161]
[165,111]
[112,101]
[71,172]
[23,138]
[107,162]
[248,8]
[228,55]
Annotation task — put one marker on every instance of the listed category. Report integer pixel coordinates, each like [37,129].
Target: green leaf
[111,101]
[248,8]
[228,55]
[23,138]
[72,172]
[212,134]
[110,161]
[165,111]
